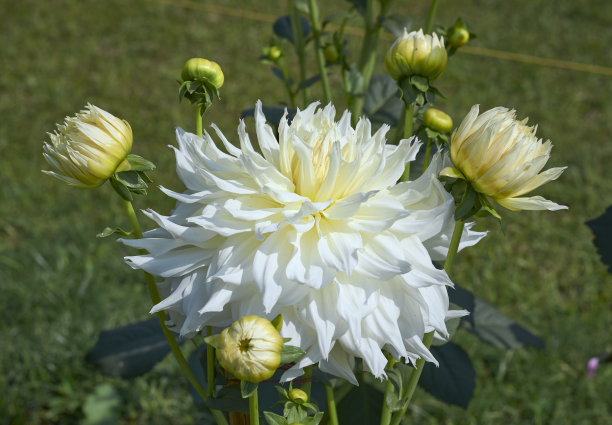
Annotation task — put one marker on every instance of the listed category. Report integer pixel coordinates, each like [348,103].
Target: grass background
[60,285]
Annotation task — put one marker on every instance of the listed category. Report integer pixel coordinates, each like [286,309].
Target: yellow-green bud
[458,35]
[416,53]
[274,53]
[198,69]
[438,120]
[250,348]
[331,53]
[89,148]
[298,396]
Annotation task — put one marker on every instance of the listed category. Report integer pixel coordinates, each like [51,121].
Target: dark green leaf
[229,399]
[602,230]
[382,102]
[282,27]
[116,231]
[138,163]
[273,113]
[121,189]
[399,375]
[131,350]
[463,298]
[363,405]
[360,5]
[248,388]
[454,381]
[309,82]
[291,354]
[466,207]
[499,330]
[274,419]
[279,74]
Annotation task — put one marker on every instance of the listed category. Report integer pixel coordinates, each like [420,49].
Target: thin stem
[307,380]
[412,382]
[430,16]
[427,155]
[408,120]
[210,365]
[287,81]
[316,33]
[385,416]
[298,42]
[199,119]
[254,408]
[331,406]
[454,246]
[155,298]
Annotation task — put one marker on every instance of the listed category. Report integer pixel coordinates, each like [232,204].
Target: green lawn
[61,286]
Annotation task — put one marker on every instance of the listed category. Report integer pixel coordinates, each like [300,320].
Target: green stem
[316,33]
[408,120]
[199,118]
[287,81]
[331,406]
[254,408]
[385,416]
[307,380]
[412,382]
[454,246]
[155,298]
[298,38]
[427,155]
[430,16]
[210,365]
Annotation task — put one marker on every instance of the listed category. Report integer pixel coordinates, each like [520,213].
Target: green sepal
[469,204]
[214,340]
[277,322]
[418,82]
[138,163]
[399,375]
[121,189]
[291,353]
[274,419]
[248,388]
[110,231]
[314,420]
[131,179]
[488,206]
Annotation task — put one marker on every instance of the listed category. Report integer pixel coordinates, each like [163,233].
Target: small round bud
[89,148]
[458,34]
[416,53]
[298,396]
[203,70]
[274,53]
[438,120]
[331,53]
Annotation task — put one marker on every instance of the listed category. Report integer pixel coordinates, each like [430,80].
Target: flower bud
[331,54]
[502,158]
[89,148]
[298,396]
[416,53]
[250,348]
[458,35]
[273,53]
[203,70]
[438,120]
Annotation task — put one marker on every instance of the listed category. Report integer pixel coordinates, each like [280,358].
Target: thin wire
[470,50]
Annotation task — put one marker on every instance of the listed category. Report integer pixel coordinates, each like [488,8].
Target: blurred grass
[61,286]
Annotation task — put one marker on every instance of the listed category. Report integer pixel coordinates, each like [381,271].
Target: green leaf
[309,82]
[279,74]
[363,405]
[290,354]
[116,231]
[229,399]
[138,163]
[399,375]
[499,330]
[102,407]
[131,350]
[454,381]
[282,28]
[464,299]
[382,103]
[274,419]
[248,388]
[602,230]
[273,113]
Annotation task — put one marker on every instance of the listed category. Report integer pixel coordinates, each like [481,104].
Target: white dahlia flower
[314,228]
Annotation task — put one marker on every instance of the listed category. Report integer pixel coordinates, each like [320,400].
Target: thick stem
[412,382]
[316,33]
[454,246]
[408,120]
[427,155]
[298,42]
[210,365]
[174,347]
[331,406]
[430,16]
[254,408]
[199,119]
[385,416]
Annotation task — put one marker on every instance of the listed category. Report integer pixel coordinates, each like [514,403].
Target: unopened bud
[203,70]
[416,53]
[298,396]
[331,53]
[438,120]
[458,35]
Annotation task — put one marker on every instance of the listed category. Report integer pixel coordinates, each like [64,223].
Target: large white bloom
[315,228]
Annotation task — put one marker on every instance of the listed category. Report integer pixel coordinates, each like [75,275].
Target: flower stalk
[430,16]
[385,416]
[316,33]
[254,408]
[331,406]
[298,42]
